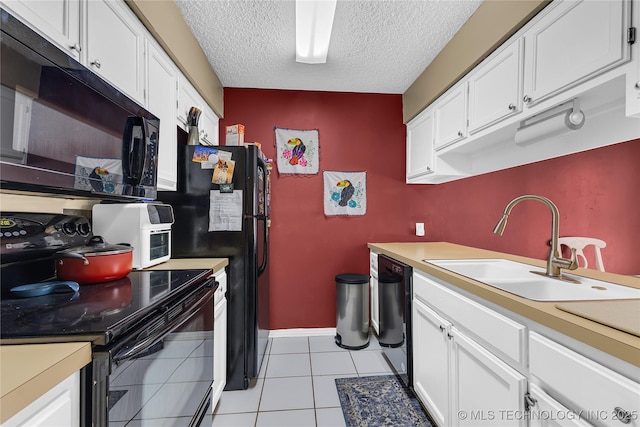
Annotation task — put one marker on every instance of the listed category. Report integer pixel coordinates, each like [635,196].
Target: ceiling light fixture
[314,20]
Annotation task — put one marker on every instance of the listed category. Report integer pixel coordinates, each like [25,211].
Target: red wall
[364,132]
[595,192]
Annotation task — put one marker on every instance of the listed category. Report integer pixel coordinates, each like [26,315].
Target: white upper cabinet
[572,50]
[189,97]
[58,20]
[162,80]
[115,46]
[495,89]
[451,117]
[420,145]
[633,76]
[575,41]
[209,127]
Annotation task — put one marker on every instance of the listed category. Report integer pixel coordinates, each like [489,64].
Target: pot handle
[75,255]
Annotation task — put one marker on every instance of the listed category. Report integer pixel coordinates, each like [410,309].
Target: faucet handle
[574,260]
[567,264]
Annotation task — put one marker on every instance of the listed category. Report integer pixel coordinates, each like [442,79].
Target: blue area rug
[379,401]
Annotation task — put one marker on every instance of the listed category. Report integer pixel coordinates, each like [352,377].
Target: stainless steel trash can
[352,311]
[391,310]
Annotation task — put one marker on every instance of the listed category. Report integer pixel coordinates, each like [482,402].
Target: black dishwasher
[394,291]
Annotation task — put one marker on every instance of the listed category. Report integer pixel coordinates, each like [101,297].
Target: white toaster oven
[145,226]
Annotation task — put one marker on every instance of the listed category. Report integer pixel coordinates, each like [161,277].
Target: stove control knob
[69,228]
[84,228]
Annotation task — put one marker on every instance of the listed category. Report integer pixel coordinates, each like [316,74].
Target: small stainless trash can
[352,311]
[391,310]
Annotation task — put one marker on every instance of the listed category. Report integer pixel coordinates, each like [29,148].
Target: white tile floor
[296,384]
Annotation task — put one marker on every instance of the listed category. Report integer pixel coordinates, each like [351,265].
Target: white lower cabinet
[459,381]
[374,308]
[431,361]
[485,390]
[59,406]
[601,396]
[547,412]
[219,340]
[473,366]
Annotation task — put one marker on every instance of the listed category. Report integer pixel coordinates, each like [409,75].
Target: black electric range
[98,313]
[153,329]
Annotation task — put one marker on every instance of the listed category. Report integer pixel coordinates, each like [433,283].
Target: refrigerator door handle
[265,244]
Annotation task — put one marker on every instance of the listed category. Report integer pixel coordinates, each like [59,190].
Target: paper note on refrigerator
[225,211]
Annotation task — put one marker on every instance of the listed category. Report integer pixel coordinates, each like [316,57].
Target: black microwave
[64,129]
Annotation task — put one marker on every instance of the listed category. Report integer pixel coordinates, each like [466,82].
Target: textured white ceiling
[377,46]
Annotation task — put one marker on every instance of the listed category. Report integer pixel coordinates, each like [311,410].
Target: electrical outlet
[419,228]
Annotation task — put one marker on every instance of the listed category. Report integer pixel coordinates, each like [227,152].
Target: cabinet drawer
[493,329]
[583,384]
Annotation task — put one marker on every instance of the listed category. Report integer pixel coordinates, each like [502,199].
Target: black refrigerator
[246,247]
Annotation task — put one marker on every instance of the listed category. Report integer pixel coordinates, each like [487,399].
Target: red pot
[95,263]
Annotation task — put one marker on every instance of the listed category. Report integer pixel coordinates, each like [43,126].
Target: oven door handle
[151,340]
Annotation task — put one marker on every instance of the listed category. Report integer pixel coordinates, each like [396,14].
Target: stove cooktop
[98,312]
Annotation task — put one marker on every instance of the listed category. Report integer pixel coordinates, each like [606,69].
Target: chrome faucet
[554,262]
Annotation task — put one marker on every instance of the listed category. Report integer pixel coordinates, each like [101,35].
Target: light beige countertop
[28,371]
[615,342]
[216,264]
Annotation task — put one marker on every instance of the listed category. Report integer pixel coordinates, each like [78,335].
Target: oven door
[162,371]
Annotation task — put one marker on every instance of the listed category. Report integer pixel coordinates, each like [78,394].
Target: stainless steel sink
[519,279]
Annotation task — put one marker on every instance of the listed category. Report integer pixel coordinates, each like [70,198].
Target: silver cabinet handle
[527,99]
[460,133]
[623,416]
[441,328]
[429,169]
[449,336]
[512,107]
[637,86]
[75,47]
[96,63]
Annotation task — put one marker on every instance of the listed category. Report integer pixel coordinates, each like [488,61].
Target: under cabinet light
[314,20]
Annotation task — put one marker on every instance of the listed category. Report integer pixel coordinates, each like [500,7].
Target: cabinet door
[219,352]
[57,20]
[115,46]
[431,361]
[208,127]
[187,97]
[495,89]
[633,75]
[588,386]
[162,92]
[59,406]
[375,302]
[548,412]
[420,145]
[574,41]
[486,391]
[451,117]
